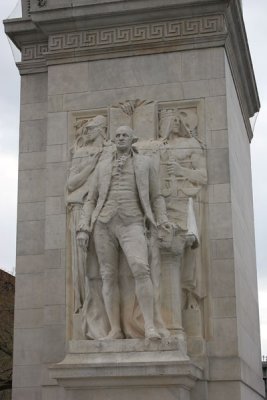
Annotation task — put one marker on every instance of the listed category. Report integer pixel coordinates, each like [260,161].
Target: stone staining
[174,151]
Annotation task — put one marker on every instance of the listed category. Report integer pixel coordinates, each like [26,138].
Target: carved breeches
[112,237]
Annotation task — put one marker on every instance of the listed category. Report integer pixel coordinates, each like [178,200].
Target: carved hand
[83,240]
[174,168]
[167,226]
[190,240]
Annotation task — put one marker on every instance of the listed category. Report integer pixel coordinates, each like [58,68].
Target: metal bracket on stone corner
[42,3]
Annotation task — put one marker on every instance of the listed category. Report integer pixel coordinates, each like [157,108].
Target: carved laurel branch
[129,106]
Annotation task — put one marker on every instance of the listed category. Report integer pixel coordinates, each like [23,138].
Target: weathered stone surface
[131,66]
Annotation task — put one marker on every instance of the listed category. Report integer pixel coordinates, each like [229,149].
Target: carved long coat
[147,182]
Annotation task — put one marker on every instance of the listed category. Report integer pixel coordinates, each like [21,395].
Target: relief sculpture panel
[135,196]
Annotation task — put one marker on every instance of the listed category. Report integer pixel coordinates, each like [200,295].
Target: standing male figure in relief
[125,193]
[86,152]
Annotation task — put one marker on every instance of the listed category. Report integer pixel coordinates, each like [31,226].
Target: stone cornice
[238,53]
[105,29]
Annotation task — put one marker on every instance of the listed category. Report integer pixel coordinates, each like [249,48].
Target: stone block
[69,78]
[31,211]
[99,99]
[46,379]
[57,128]
[103,98]
[162,92]
[57,153]
[29,318]
[134,71]
[247,393]
[196,89]
[218,166]
[55,103]
[199,391]
[253,379]
[219,139]
[29,264]
[217,87]
[26,376]
[53,393]
[27,394]
[52,258]
[155,393]
[54,205]
[54,343]
[33,136]
[222,249]
[35,111]
[56,175]
[216,115]
[248,344]
[219,193]
[55,232]
[30,237]
[224,307]
[223,278]
[202,64]
[55,287]
[227,368]
[220,221]
[156,69]
[29,291]
[33,160]
[63,258]
[55,314]
[224,390]
[28,343]
[34,88]
[224,342]
[31,186]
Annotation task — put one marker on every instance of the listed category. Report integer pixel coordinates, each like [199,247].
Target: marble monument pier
[136,271]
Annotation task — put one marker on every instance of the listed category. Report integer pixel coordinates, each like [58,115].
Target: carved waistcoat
[123,198]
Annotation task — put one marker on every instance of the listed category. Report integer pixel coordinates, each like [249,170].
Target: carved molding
[35,51]
[137,34]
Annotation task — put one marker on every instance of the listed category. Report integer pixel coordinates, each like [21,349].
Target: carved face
[91,132]
[124,138]
[176,125]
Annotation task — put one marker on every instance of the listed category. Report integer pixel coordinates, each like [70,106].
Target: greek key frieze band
[135,34]
[34,51]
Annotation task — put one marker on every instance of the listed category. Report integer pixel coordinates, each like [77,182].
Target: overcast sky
[255,15]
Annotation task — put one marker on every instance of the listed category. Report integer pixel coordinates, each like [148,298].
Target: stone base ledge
[119,363]
[171,343]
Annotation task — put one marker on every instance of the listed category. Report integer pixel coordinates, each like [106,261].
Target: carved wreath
[42,3]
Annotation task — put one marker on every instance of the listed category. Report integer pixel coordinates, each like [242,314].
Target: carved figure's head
[172,125]
[124,138]
[95,127]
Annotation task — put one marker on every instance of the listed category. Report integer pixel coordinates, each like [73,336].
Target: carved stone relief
[135,206]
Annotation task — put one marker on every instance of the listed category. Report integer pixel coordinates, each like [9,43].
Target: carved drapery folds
[170,136]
